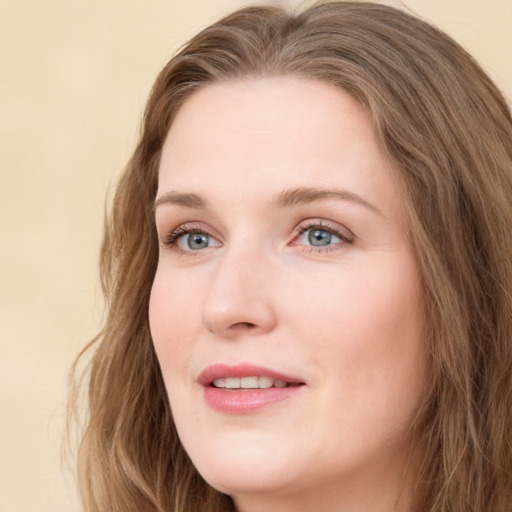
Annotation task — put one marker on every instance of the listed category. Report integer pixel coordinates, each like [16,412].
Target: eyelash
[185,229]
[171,239]
[327,227]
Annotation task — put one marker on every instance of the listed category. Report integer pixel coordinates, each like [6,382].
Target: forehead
[280,132]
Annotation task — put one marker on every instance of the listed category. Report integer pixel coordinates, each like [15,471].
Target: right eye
[190,239]
[195,241]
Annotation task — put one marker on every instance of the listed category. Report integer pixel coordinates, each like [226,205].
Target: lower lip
[245,401]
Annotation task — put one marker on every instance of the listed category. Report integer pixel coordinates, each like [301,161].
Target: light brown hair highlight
[448,129]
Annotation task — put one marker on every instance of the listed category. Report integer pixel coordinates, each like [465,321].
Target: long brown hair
[449,131]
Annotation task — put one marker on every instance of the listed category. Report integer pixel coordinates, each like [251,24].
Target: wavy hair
[448,129]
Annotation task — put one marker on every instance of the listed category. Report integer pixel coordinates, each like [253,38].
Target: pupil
[198,241]
[319,237]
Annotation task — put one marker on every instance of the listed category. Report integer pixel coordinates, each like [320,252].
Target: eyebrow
[188,200]
[285,199]
[308,195]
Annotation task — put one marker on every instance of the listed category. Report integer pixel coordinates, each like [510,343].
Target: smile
[245,389]
[250,383]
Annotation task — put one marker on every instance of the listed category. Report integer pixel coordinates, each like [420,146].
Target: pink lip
[247,400]
[219,371]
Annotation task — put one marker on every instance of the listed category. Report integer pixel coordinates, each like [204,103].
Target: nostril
[243,325]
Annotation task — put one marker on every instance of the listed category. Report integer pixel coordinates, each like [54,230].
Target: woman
[308,277]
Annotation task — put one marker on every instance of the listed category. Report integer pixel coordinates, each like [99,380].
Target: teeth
[232,382]
[249,383]
[265,382]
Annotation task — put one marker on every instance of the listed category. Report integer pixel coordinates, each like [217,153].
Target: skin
[345,318]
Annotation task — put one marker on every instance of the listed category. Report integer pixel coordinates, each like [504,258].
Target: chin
[240,482]
[247,469]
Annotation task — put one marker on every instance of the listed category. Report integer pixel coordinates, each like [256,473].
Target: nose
[238,300]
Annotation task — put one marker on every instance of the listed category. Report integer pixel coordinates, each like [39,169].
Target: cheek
[367,325]
[369,344]
[173,319]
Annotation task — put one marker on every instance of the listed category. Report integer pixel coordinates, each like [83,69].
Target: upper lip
[220,371]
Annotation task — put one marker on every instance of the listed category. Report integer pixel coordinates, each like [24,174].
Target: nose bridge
[238,299]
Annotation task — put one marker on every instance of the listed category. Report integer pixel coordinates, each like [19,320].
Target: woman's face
[284,262]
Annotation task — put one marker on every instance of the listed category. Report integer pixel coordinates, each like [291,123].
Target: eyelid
[346,236]
[173,235]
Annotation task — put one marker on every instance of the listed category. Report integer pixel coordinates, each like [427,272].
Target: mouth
[253,382]
[245,376]
[245,388]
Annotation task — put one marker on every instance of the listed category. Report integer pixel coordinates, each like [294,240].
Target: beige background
[74,76]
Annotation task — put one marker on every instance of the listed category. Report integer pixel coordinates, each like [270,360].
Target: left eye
[195,241]
[318,237]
